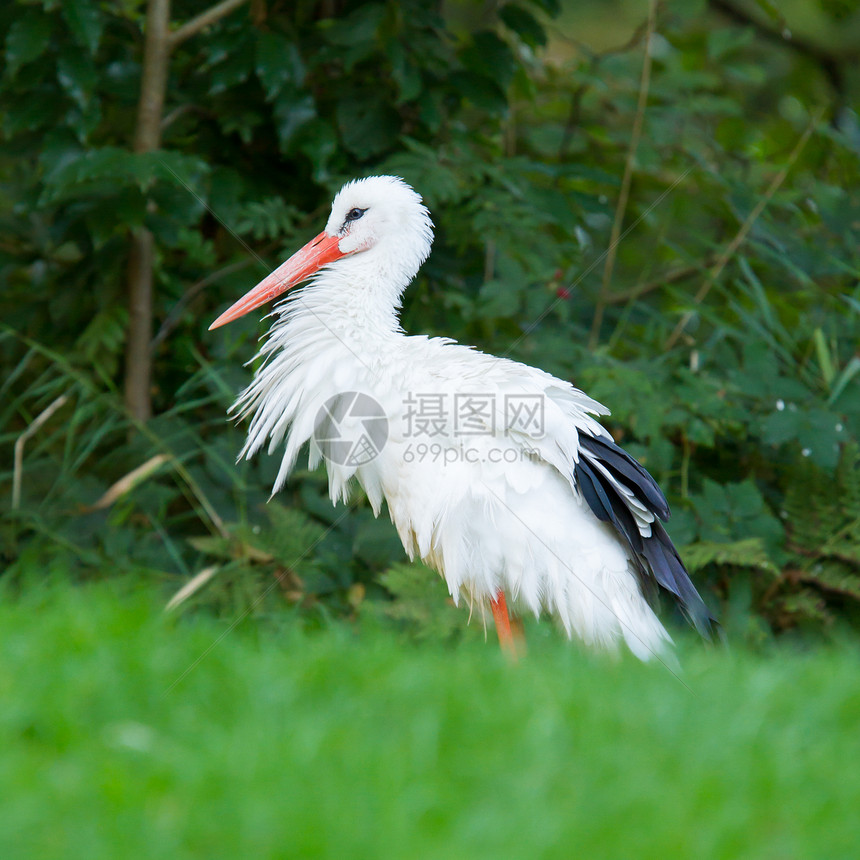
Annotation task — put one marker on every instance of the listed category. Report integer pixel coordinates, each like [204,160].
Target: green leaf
[271,218]
[405,74]
[292,112]
[430,108]
[358,28]
[743,500]
[229,548]
[735,511]
[553,206]
[376,543]
[825,360]
[749,552]
[524,24]
[499,298]
[316,140]
[235,69]
[551,7]
[78,76]
[219,547]
[356,37]
[817,432]
[482,91]
[420,606]
[278,62]
[112,214]
[86,22]
[26,39]
[848,373]
[292,536]
[836,576]
[422,168]
[368,125]
[169,165]
[490,56]
[103,340]
[121,167]
[108,162]
[29,111]
[805,605]
[727,40]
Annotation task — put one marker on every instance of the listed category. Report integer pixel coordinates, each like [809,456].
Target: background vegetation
[660,203]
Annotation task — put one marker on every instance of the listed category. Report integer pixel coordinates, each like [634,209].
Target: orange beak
[316,254]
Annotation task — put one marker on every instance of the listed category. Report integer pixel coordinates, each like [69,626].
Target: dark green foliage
[518,137]
[422,608]
[822,514]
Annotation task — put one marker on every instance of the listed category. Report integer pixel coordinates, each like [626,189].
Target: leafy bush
[722,328]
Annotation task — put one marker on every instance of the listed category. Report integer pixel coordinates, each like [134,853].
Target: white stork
[495,473]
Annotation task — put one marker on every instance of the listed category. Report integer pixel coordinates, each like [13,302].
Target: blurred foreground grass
[280,743]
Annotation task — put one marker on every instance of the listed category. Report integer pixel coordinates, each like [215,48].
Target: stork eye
[354,215]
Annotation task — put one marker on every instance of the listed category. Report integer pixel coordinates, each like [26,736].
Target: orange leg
[508,638]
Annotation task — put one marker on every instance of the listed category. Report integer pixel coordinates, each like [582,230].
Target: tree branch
[742,233]
[830,64]
[205,19]
[573,117]
[158,43]
[153,83]
[623,195]
[670,277]
[147,137]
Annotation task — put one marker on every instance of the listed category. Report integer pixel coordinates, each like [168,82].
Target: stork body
[505,482]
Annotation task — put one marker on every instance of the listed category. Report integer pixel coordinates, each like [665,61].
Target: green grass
[280,743]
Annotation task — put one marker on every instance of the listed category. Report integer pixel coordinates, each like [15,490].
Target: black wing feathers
[606,504]
[670,573]
[655,554]
[628,471]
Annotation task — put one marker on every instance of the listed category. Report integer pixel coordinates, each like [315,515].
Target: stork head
[378,226]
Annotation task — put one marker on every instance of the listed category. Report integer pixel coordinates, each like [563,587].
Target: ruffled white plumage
[509,516]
